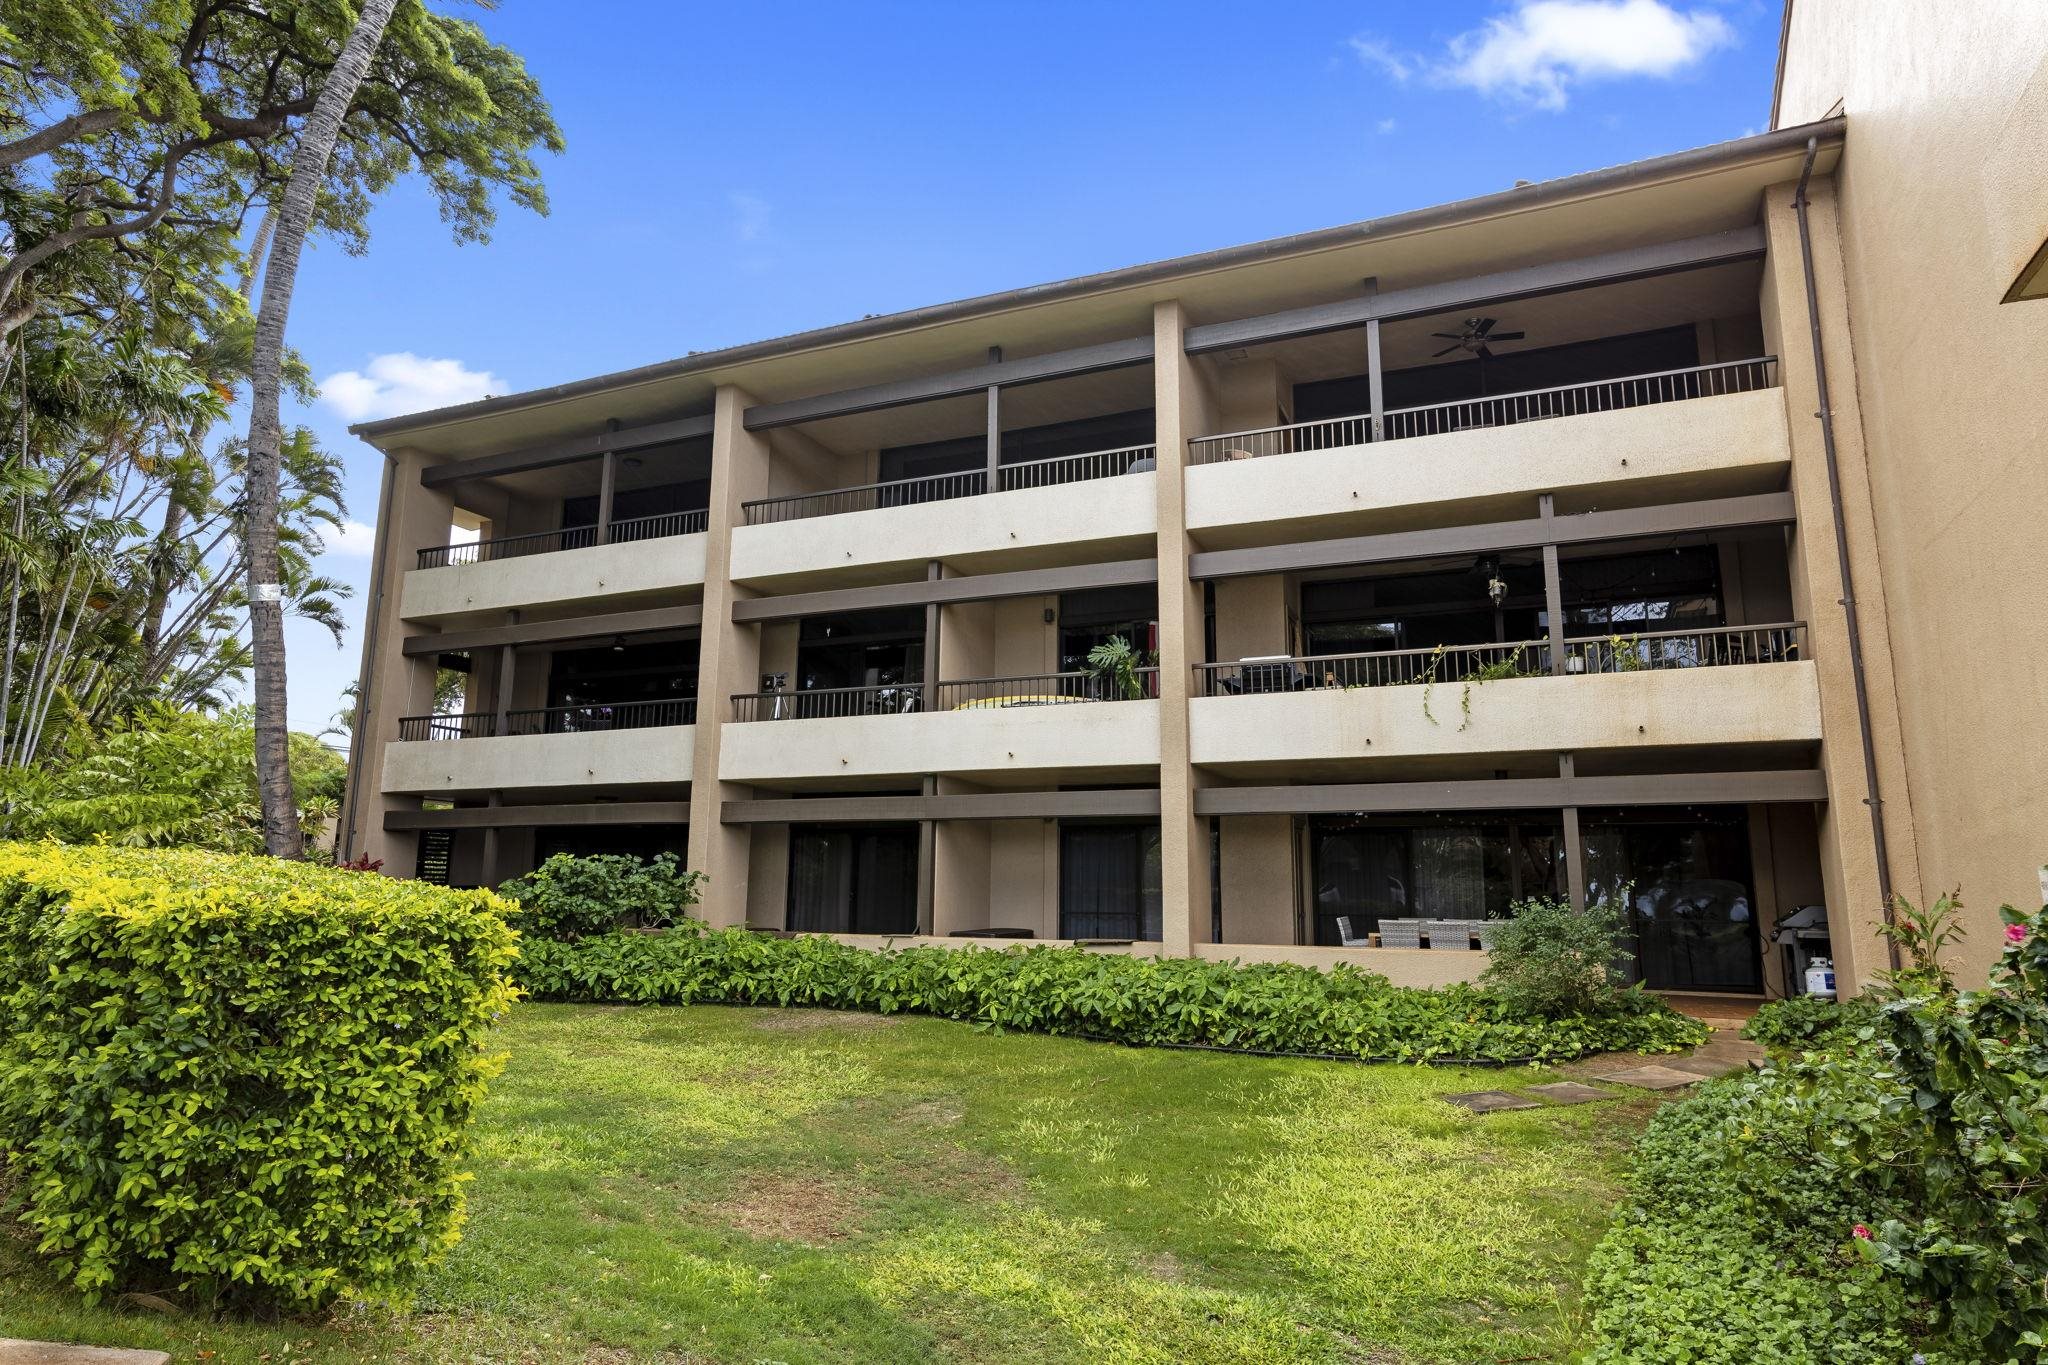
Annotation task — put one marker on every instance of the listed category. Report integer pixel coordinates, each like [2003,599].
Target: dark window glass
[1110,882]
[1370,869]
[853,879]
[1691,893]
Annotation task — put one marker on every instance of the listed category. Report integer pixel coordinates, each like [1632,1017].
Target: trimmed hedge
[1140,1000]
[242,1077]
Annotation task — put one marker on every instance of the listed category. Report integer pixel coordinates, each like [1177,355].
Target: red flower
[1862,1232]
[2015,933]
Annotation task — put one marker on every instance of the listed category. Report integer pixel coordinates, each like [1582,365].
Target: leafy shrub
[1809,1022]
[164,777]
[569,897]
[246,1078]
[1695,1271]
[1551,960]
[1141,1000]
[1922,1145]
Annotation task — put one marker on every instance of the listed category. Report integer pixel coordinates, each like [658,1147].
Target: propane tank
[1820,978]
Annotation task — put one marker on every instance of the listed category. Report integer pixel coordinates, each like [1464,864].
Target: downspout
[357,740]
[1875,801]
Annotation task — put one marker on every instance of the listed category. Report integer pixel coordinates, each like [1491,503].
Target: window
[1416,868]
[1109,882]
[852,879]
[1099,615]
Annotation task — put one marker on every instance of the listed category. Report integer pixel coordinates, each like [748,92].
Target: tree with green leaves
[139,141]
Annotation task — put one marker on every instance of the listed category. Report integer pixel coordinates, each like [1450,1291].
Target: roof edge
[1522,198]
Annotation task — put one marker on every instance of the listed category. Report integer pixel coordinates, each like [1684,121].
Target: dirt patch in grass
[807,1209]
[939,1112]
[773,1020]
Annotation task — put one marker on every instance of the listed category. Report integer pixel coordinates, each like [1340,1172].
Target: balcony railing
[1619,653]
[552,720]
[1711,648]
[867,497]
[969,694]
[567,538]
[1571,400]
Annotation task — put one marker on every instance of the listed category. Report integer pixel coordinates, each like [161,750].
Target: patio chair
[1349,937]
[1400,933]
[1450,935]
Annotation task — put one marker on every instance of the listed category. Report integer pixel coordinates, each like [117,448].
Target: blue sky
[738,172]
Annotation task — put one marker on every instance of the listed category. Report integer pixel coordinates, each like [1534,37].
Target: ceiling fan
[1475,338]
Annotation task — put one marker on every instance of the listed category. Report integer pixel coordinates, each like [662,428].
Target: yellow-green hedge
[243,1077]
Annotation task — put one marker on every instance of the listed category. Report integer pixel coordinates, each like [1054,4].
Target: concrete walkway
[1595,1078]
[16,1352]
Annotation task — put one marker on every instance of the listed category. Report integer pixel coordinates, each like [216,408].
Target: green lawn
[713,1184]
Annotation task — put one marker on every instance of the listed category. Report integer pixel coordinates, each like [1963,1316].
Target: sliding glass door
[1691,893]
[1109,882]
[853,879]
[1412,867]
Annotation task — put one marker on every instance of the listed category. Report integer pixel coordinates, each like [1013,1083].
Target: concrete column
[392,684]
[1847,848]
[607,491]
[1185,407]
[1574,844]
[729,662]
[1553,587]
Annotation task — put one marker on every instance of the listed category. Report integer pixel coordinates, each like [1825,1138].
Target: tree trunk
[281,835]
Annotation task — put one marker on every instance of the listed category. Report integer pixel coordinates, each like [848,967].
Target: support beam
[1552,277]
[1553,585]
[1512,793]
[513,817]
[986,587]
[1574,841]
[566,452]
[1136,803]
[1580,528]
[995,426]
[555,632]
[607,489]
[1110,355]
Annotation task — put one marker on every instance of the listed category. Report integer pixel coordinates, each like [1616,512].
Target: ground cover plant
[238,1079]
[1267,1007]
[716,1184]
[1875,1194]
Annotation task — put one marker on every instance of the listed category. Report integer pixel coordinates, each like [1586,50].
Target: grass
[713,1184]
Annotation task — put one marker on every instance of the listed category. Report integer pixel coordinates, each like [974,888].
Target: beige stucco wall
[978,530]
[1942,199]
[612,758]
[1666,446]
[1025,739]
[1748,704]
[590,579]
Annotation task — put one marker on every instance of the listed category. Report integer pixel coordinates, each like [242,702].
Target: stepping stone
[1652,1077]
[15,1352]
[1570,1092]
[1489,1101]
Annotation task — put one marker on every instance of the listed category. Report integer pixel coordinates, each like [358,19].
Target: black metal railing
[967,694]
[1713,647]
[868,497]
[1385,668]
[552,720]
[566,538]
[1570,400]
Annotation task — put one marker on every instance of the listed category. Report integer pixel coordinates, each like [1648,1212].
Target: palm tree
[282,836]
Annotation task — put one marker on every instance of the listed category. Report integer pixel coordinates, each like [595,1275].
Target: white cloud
[750,215]
[400,382]
[354,539]
[1380,55]
[1546,47]
[1385,125]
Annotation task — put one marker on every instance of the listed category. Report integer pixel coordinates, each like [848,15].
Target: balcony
[575,565]
[1051,722]
[1728,437]
[1742,685]
[551,748]
[1096,504]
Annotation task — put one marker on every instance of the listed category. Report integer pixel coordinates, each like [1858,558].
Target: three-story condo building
[1311,600]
